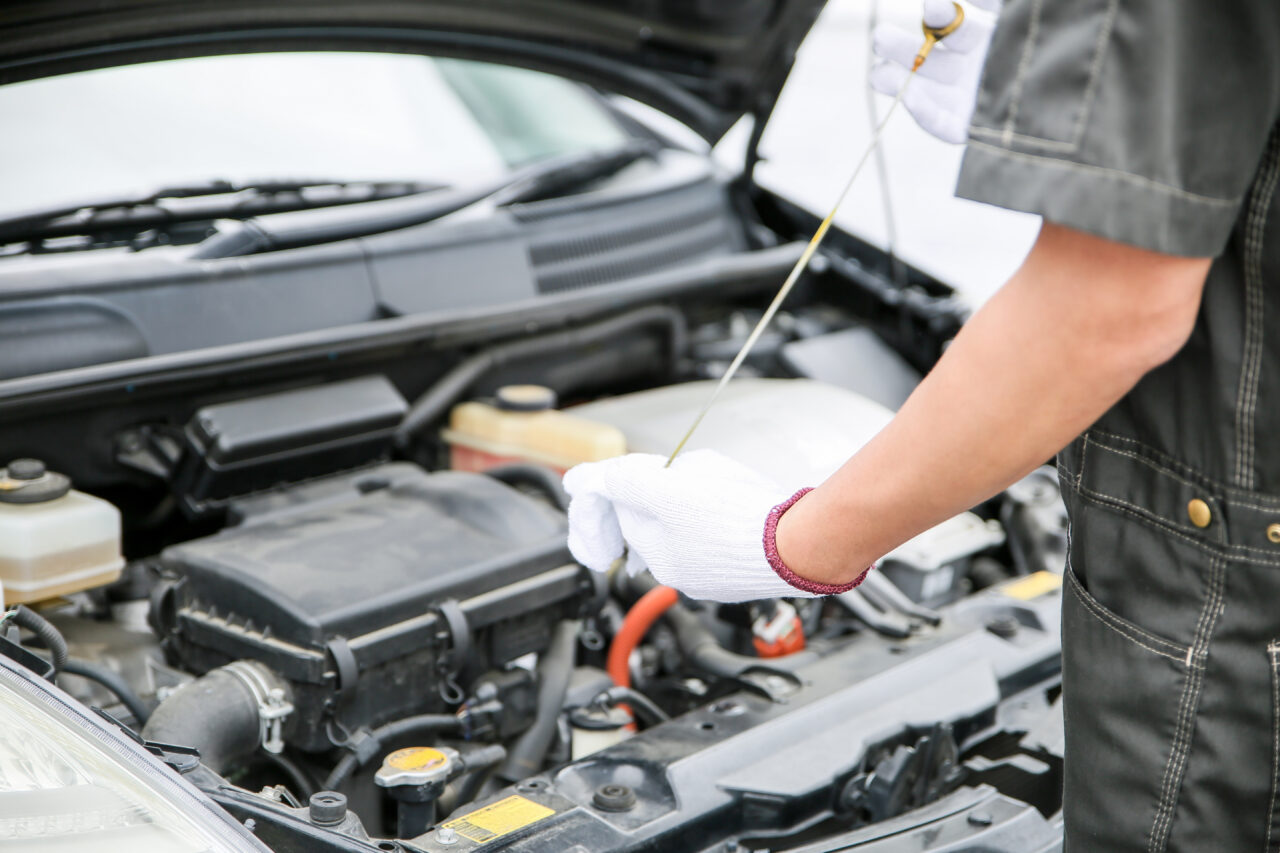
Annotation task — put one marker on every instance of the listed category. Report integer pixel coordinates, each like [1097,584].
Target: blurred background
[821,126]
[382,116]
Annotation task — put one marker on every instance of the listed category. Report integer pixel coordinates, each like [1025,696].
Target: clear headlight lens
[69,783]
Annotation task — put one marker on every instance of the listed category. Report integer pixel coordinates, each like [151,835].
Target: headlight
[70,783]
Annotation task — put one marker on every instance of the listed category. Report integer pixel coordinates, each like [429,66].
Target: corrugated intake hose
[554,670]
[453,385]
[220,713]
[423,724]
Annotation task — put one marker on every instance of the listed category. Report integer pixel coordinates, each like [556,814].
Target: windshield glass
[355,116]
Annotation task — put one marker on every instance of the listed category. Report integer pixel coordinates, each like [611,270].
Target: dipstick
[932,36]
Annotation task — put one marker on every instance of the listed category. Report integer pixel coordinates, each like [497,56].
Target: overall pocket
[1129,707]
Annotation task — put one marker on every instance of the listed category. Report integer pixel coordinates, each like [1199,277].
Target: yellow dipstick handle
[932,36]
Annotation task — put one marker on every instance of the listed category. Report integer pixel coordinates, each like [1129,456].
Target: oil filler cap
[27,481]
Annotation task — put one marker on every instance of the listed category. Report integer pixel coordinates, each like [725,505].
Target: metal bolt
[251,824]
[445,835]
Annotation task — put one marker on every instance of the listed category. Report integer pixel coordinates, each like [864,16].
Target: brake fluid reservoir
[523,425]
[53,539]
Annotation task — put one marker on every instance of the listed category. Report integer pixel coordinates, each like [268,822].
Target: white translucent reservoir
[53,539]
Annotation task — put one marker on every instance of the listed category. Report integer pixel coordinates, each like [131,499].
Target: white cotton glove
[942,95]
[698,526]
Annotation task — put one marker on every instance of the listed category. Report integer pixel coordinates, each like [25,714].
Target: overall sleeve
[1140,121]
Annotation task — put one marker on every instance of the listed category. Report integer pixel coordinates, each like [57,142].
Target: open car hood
[706,62]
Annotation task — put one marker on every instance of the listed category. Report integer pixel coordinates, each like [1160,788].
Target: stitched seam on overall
[1150,464]
[1258,211]
[1231,552]
[1142,512]
[1124,628]
[1020,78]
[1237,551]
[1176,767]
[1138,180]
[1084,452]
[1272,650]
[1251,362]
[1007,135]
[1195,479]
[1095,71]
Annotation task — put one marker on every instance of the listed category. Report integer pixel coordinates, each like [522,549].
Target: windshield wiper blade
[559,177]
[544,179]
[213,199]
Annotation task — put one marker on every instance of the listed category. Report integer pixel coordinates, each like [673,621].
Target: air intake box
[372,592]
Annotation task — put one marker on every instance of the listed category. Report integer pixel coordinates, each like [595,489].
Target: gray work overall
[1154,123]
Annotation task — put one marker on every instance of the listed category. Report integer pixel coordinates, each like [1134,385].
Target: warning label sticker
[1033,586]
[497,820]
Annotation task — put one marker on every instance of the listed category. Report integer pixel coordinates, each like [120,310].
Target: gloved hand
[942,96]
[704,526]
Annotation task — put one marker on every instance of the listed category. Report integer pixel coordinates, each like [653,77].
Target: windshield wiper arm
[214,199]
[543,179]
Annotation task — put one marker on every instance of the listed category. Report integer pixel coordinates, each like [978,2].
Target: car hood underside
[706,63]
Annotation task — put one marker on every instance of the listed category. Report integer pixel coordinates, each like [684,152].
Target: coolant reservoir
[53,539]
[523,425]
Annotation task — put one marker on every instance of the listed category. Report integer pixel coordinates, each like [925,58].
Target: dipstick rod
[792,278]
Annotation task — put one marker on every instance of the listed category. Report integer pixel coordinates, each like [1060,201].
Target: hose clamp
[273,707]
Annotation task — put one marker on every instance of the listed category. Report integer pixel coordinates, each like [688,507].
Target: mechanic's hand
[698,526]
[942,96]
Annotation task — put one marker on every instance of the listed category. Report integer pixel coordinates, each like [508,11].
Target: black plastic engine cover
[356,588]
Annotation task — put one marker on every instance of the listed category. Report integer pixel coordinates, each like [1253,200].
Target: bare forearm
[1058,345]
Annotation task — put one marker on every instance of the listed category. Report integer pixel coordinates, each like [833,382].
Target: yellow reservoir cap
[416,758]
[416,765]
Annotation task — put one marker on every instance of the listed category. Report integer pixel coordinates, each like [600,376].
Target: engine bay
[354,599]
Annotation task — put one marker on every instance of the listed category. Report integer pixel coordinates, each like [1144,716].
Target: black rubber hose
[113,682]
[554,670]
[50,637]
[454,384]
[303,787]
[422,724]
[641,705]
[475,764]
[543,479]
[217,714]
[701,648]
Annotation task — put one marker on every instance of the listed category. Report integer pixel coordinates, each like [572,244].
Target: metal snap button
[1273,533]
[1198,512]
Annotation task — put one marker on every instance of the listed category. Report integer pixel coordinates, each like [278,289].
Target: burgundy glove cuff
[775,561]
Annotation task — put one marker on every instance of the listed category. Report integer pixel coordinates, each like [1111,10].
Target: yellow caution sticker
[499,819]
[1033,586]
